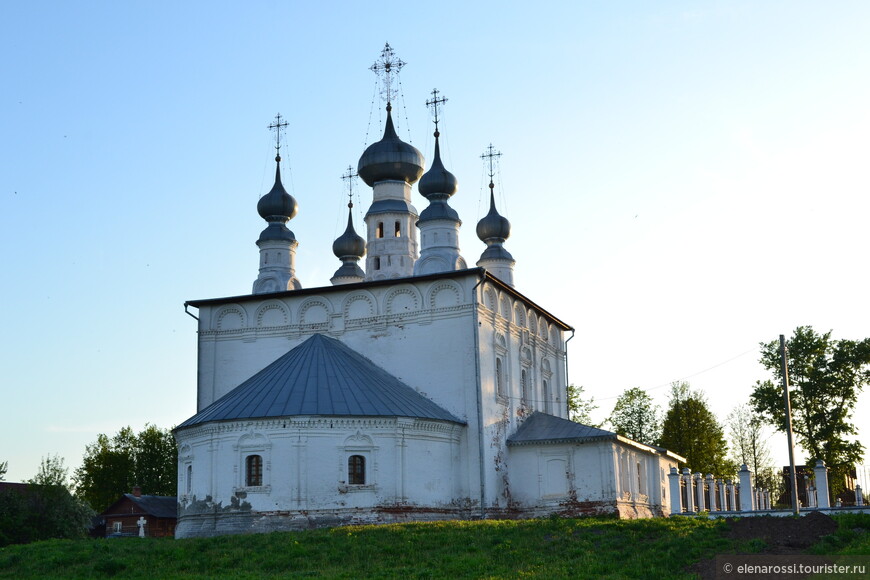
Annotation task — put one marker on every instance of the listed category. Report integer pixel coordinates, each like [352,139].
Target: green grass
[852,537]
[548,548]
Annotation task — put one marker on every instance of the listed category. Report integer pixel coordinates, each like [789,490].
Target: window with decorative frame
[524,388]
[545,384]
[499,378]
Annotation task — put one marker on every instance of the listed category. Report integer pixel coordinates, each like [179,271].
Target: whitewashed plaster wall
[550,474]
[421,331]
[518,336]
[305,463]
[604,472]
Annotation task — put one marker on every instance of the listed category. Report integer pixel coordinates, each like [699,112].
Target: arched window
[398,229]
[524,388]
[377,263]
[189,478]
[546,388]
[499,378]
[253,470]
[379,231]
[356,470]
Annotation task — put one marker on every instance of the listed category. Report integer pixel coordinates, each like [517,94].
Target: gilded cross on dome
[348,178]
[491,155]
[278,126]
[386,66]
[433,104]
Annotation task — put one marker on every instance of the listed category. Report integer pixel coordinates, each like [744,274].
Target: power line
[667,384]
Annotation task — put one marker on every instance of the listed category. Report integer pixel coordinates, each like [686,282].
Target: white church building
[417,389]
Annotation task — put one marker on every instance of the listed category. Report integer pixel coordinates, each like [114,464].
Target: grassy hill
[548,548]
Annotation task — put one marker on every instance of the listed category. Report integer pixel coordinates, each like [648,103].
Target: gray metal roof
[159,506]
[321,376]
[541,428]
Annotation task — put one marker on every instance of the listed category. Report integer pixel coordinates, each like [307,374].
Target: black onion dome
[493,225]
[390,159]
[438,180]
[277,205]
[349,243]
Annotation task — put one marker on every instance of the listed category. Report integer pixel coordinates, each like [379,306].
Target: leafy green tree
[636,416]
[112,466]
[52,471]
[579,408]
[43,510]
[691,430]
[750,447]
[825,377]
[157,461]
[55,512]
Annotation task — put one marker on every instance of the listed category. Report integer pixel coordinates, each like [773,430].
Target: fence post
[699,490]
[732,496]
[821,473]
[746,496]
[711,493]
[690,491]
[720,485]
[676,496]
[859,496]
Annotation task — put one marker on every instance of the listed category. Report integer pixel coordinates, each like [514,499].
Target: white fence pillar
[859,496]
[676,496]
[732,496]
[711,493]
[720,485]
[821,473]
[747,497]
[699,491]
[690,490]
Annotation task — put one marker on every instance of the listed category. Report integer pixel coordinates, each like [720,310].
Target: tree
[113,466]
[580,409]
[750,448]
[52,471]
[636,416]
[825,377]
[45,509]
[691,430]
[4,466]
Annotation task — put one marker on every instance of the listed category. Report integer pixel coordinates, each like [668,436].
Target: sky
[685,180]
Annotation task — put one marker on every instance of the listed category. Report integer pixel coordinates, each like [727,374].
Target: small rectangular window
[398,229]
[253,470]
[116,527]
[379,231]
[356,470]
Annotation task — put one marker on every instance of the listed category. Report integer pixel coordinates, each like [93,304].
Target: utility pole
[793,479]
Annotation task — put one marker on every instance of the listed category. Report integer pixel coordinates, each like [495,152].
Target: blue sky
[684,180]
